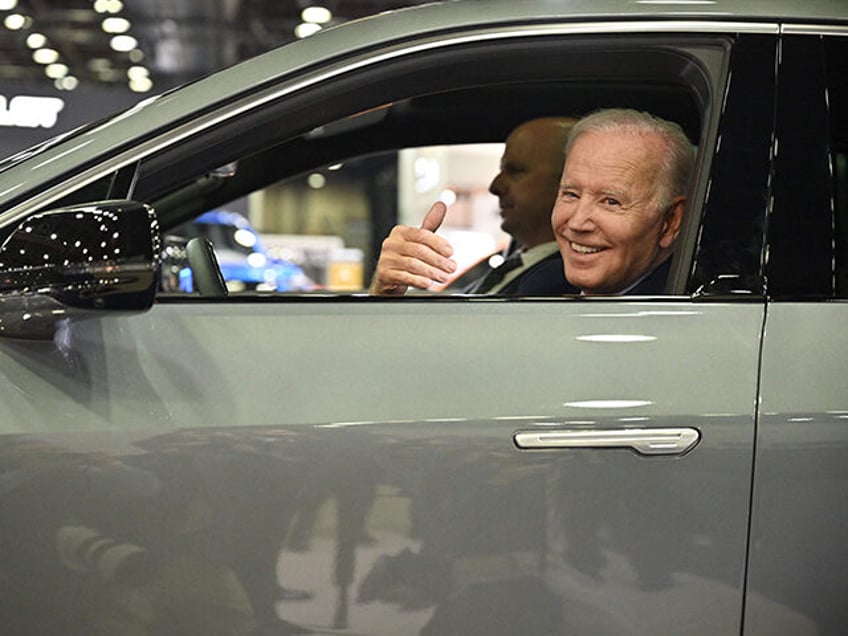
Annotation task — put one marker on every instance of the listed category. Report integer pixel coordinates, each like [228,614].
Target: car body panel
[800,511]
[570,534]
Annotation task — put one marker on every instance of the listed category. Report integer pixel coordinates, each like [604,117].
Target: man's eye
[568,194]
[611,202]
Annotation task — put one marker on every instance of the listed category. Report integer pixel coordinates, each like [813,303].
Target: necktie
[496,275]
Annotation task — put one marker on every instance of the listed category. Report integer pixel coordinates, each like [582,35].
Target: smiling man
[621,201]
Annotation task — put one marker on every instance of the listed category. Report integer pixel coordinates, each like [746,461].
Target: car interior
[409,103]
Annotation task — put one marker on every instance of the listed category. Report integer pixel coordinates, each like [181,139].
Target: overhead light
[45,56]
[136,56]
[140,84]
[67,83]
[98,63]
[115,25]
[56,71]
[137,72]
[305,29]
[8,5]
[36,40]
[317,15]
[108,6]
[15,21]
[123,43]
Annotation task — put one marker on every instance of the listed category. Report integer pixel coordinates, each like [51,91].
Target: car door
[799,519]
[420,465]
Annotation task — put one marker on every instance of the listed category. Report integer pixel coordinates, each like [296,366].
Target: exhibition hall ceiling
[152,45]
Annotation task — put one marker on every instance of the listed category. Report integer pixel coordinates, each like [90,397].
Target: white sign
[28,111]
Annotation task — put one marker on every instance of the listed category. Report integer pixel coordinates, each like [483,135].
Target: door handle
[645,441]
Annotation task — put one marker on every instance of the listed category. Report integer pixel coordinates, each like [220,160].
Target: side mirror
[77,262]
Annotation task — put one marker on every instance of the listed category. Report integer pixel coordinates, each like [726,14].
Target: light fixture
[8,5]
[36,40]
[15,21]
[56,71]
[123,43]
[316,14]
[45,56]
[108,6]
[137,72]
[67,83]
[140,84]
[136,56]
[305,29]
[115,25]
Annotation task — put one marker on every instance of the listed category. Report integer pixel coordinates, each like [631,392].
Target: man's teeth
[584,249]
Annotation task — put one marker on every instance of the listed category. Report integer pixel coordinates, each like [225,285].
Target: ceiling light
[115,25]
[55,71]
[98,63]
[8,5]
[67,83]
[140,84]
[36,40]
[136,56]
[15,21]
[137,72]
[317,15]
[45,56]
[108,6]
[123,43]
[305,29]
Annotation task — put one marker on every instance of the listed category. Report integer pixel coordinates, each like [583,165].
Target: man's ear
[671,222]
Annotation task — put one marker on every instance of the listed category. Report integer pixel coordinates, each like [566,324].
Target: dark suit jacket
[545,278]
[654,283]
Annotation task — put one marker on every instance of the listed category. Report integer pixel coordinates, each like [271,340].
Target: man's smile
[584,249]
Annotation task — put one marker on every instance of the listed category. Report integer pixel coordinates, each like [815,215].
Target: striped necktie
[496,275]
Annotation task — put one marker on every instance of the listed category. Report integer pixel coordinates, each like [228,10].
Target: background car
[244,261]
[265,463]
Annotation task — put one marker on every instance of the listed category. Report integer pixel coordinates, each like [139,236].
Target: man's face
[527,184]
[607,221]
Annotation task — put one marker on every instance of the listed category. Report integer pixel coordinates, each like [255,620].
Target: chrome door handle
[645,441]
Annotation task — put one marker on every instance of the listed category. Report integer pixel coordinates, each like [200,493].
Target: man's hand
[414,257]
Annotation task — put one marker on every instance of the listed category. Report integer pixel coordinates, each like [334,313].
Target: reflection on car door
[367,477]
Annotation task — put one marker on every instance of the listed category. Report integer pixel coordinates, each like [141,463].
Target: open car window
[374,120]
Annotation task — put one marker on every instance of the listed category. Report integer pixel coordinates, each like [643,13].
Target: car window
[837,75]
[808,225]
[320,230]
[374,123]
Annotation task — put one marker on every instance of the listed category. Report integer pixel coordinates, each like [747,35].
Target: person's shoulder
[545,278]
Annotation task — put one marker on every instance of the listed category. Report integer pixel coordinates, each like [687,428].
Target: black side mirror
[77,262]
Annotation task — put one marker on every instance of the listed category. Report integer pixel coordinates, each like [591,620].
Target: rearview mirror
[77,262]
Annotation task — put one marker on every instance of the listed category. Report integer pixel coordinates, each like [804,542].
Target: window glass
[836,50]
[321,230]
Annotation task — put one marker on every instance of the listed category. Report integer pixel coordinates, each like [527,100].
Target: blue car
[245,262]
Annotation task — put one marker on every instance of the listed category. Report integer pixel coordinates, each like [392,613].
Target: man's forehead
[616,154]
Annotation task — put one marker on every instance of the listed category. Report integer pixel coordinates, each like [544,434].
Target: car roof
[359,37]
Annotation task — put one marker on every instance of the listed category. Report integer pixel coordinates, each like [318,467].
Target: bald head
[528,181]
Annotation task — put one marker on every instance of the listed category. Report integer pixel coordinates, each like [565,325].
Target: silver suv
[273,463]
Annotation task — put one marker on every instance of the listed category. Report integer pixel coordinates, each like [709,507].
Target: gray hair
[678,161]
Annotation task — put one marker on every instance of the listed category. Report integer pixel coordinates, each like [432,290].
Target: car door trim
[645,441]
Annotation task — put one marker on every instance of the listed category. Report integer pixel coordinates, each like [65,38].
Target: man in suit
[615,219]
[526,187]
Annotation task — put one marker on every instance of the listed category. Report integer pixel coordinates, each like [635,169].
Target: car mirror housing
[77,262]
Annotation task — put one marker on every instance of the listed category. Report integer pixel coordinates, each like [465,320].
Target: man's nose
[495,187]
[581,217]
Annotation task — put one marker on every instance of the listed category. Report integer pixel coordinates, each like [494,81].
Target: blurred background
[89,58]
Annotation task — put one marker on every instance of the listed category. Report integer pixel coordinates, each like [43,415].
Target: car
[245,262]
[436,464]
